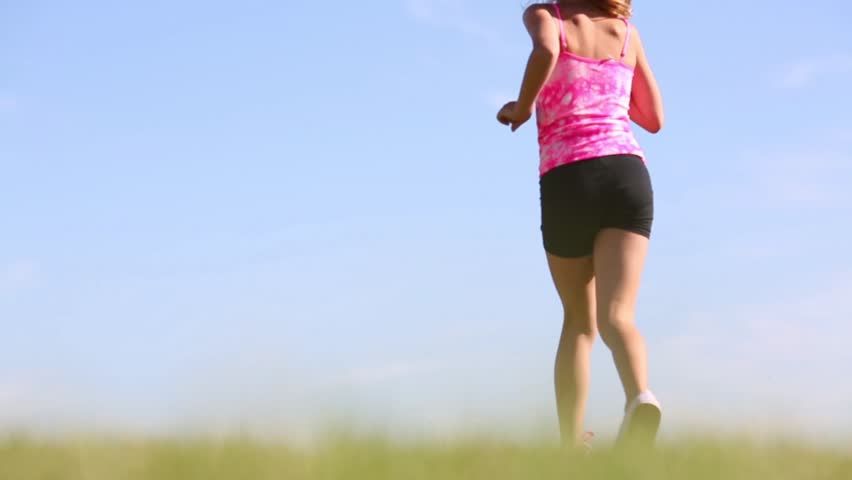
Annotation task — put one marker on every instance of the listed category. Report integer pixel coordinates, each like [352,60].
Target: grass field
[366,458]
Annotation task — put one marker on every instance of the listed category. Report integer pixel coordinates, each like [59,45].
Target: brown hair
[615,8]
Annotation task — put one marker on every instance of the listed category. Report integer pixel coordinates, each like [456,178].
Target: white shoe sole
[642,427]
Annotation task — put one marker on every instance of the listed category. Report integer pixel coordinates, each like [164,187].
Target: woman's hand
[513,116]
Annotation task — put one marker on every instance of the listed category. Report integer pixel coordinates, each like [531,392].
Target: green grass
[376,458]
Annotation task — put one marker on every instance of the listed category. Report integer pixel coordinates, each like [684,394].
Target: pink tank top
[582,110]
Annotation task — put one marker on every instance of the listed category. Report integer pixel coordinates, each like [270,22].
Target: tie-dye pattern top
[582,109]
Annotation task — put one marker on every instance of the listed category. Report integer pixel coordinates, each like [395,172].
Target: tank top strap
[626,38]
[562,38]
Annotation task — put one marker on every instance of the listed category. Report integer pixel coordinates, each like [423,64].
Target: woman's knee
[615,322]
[581,321]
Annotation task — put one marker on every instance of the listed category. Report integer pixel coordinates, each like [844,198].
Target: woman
[588,77]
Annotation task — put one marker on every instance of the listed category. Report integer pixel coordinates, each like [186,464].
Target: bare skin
[598,292]
[592,35]
[574,279]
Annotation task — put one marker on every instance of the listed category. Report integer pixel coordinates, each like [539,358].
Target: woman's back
[596,37]
[583,108]
[594,34]
[587,32]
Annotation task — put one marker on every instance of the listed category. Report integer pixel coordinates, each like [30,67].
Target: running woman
[586,79]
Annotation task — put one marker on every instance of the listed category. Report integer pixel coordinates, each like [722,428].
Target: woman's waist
[584,131]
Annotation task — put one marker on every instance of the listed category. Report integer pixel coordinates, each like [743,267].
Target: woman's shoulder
[538,11]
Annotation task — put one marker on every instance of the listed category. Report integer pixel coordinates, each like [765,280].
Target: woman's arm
[545,38]
[646,102]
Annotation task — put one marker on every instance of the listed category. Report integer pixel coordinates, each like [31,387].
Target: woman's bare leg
[574,280]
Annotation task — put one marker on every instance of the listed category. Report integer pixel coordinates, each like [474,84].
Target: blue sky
[218,214]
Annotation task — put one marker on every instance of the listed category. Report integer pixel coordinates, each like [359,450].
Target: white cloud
[452,15]
[7,103]
[805,72]
[365,376]
[843,135]
[495,99]
[42,405]
[758,363]
[780,180]
[420,9]
[18,275]
[780,176]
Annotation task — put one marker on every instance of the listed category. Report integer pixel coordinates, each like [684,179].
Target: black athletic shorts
[581,198]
